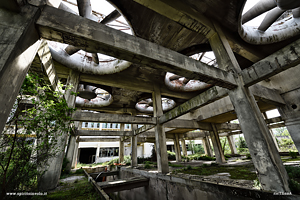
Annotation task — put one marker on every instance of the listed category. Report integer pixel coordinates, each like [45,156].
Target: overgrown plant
[195,148]
[30,136]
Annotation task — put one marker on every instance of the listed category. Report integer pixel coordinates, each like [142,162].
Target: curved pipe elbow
[166,105]
[180,86]
[94,103]
[83,64]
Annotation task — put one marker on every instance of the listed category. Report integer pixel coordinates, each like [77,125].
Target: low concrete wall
[166,187]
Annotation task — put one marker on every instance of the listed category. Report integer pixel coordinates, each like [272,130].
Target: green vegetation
[294,175]
[225,145]
[242,147]
[175,165]
[284,140]
[227,156]
[248,156]
[147,166]
[293,154]
[64,171]
[32,138]
[171,155]
[195,148]
[80,189]
[198,156]
[236,172]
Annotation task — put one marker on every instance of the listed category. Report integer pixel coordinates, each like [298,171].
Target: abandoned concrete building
[157,78]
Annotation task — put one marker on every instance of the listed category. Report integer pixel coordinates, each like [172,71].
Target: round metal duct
[271,29]
[146,105]
[86,91]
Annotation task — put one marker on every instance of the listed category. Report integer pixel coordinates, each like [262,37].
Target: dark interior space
[87,155]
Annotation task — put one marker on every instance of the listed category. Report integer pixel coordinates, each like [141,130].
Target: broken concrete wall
[169,187]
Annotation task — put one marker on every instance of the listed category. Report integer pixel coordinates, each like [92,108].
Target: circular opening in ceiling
[207,57]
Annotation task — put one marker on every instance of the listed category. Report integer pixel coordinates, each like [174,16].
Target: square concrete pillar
[121,145]
[75,154]
[214,135]
[70,150]
[271,172]
[160,136]
[72,146]
[19,43]
[291,115]
[177,148]
[207,147]
[231,144]
[134,162]
[183,145]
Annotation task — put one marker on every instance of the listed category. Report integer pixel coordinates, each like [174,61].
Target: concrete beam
[99,139]
[224,105]
[11,5]
[182,13]
[227,126]
[45,57]
[103,133]
[111,118]
[182,123]
[267,95]
[185,16]
[94,37]
[202,99]
[279,125]
[132,83]
[279,61]
[143,129]
[274,120]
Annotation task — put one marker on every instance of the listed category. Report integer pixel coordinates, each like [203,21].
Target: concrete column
[97,151]
[271,172]
[70,150]
[160,136]
[214,135]
[134,162]
[177,148]
[71,146]
[291,114]
[121,145]
[19,43]
[271,132]
[75,154]
[231,144]
[207,147]
[183,145]
[50,178]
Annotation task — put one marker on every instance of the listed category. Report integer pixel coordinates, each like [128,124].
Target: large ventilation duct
[271,29]
[89,63]
[181,84]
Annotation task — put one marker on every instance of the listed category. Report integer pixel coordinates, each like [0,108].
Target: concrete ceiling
[136,82]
